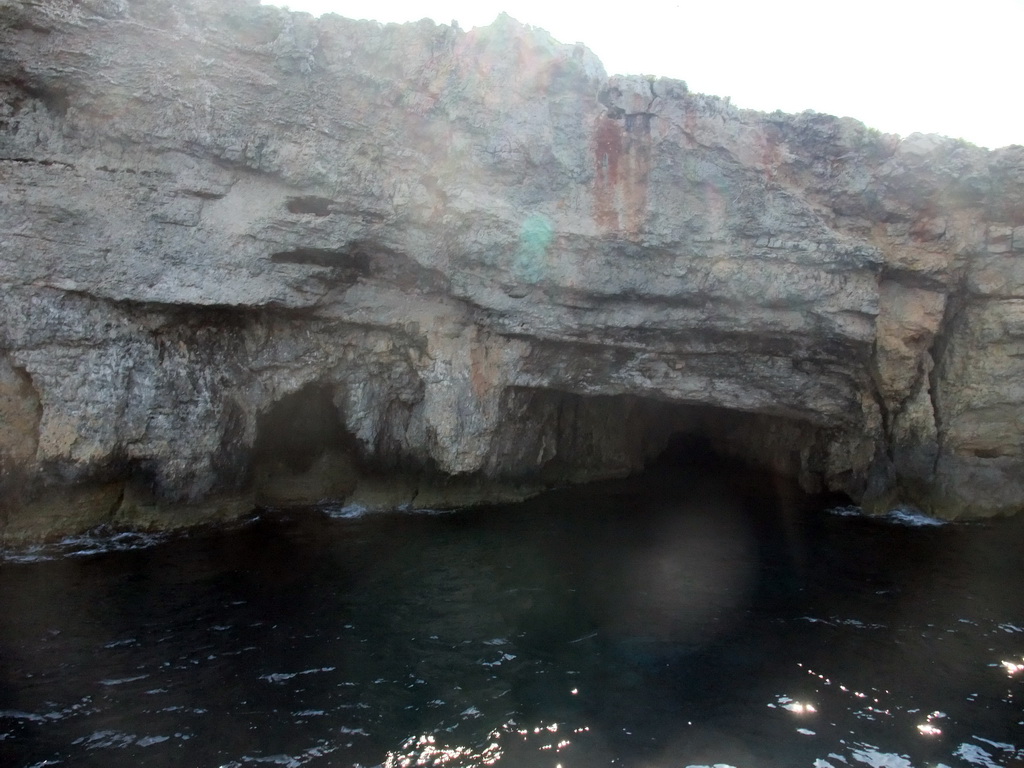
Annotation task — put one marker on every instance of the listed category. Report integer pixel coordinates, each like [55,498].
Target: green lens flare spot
[535,236]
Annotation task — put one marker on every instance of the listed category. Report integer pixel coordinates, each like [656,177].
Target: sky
[953,68]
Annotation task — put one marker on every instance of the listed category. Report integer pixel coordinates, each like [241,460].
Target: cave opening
[302,451]
[707,437]
[769,460]
[304,454]
[684,449]
[571,438]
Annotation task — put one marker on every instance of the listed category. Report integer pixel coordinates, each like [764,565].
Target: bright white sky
[954,68]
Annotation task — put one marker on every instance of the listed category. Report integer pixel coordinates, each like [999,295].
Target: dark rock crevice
[36,161]
[355,261]
[956,304]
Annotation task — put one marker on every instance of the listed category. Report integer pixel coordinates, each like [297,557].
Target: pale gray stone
[473,262]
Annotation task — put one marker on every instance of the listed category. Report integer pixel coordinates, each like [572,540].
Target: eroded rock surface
[249,256]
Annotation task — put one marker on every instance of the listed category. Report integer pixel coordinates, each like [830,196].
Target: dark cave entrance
[569,433]
[685,456]
[686,449]
[303,453]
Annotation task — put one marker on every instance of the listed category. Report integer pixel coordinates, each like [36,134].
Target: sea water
[688,617]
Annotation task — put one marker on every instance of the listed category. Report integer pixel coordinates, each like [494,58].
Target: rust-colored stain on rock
[482,369]
[622,158]
[607,153]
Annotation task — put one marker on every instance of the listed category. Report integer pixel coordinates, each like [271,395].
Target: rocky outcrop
[249,256]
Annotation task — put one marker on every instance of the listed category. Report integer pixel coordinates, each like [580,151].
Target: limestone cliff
[249,256]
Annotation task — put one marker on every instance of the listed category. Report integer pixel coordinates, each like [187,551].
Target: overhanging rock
[487,264]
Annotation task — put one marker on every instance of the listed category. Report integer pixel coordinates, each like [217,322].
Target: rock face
[249,256]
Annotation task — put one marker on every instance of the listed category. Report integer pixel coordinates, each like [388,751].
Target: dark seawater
[692,617]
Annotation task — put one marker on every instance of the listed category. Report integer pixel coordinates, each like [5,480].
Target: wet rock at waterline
[249,256]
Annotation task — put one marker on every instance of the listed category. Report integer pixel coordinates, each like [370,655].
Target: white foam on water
[14,714]
[352,731]
[912,517]
[289,761]
[180,708]
[280,677]
[997,744]
[976,755]
[105,540]
[106,740]
[82,707]
[347,512]
[833,622]
[502,659]
[119,643]
[902,515]
[122,680]
[97,541]
[357,511]
[846,511]
[34,554]
[872,756]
